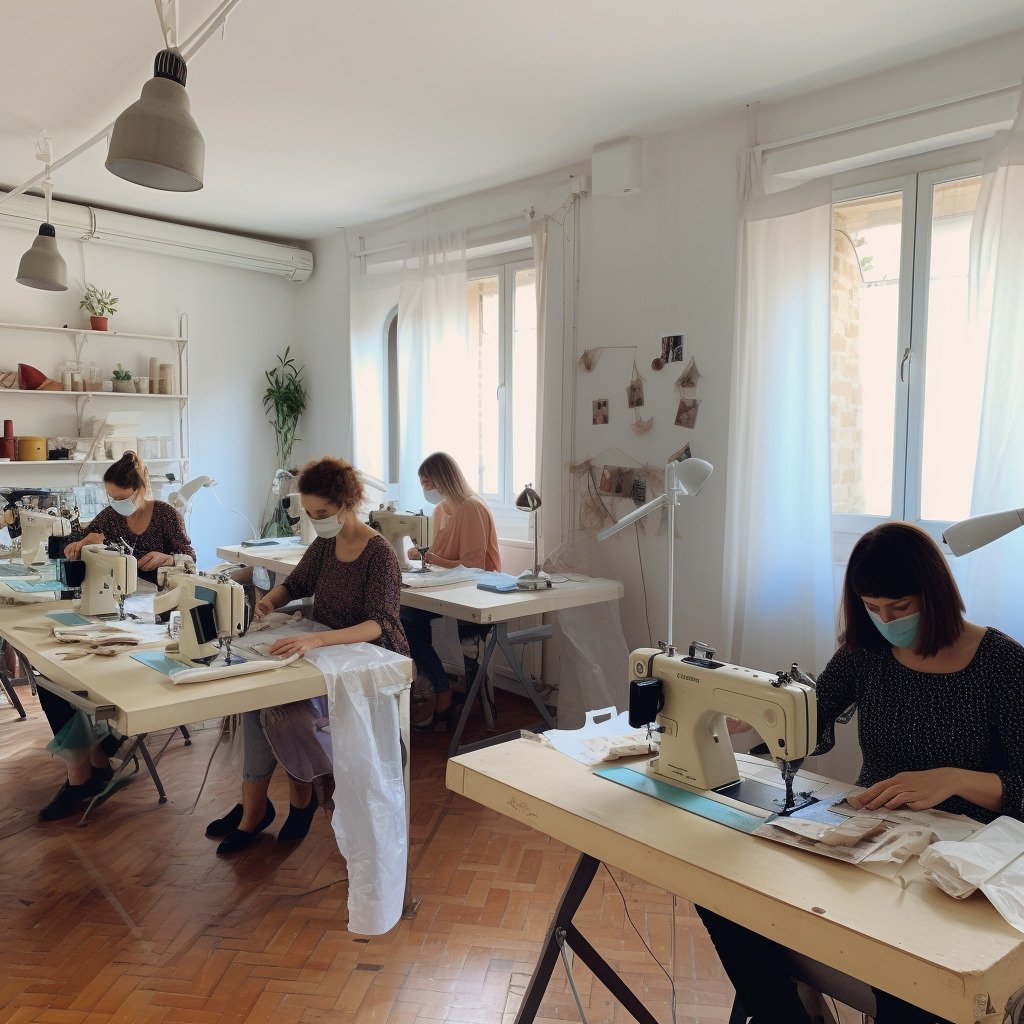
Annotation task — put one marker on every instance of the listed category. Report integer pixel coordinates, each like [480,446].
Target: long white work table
[466,602]
[137,700]
[956,958]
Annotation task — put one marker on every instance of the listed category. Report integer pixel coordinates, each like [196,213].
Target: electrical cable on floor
[209,763]
[643,583]
[835,1009]
[625,905]
[672,955]
[560,939]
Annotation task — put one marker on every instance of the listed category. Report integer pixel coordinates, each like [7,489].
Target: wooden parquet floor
[132,919]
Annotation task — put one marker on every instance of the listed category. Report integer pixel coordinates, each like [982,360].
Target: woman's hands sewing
[154,559]
[300,644]
[914,790]
[263,608]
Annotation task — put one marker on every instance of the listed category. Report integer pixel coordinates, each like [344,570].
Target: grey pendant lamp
[42,266]
[155,142]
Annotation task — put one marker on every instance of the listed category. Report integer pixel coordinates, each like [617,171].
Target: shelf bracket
[79,343]
[81,404]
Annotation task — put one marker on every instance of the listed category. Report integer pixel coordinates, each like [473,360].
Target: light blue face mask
[900,632]
[124,506]
[432,497]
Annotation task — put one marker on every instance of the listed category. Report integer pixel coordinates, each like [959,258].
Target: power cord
[234,511]
[643,583]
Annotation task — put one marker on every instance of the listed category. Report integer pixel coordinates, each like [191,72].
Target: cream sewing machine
[111,575]
[213,612]
[689,697]
[36,528]
[395,526]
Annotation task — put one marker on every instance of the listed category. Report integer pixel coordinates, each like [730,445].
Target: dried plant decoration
[589,359]
[657,363]
[576,468]
[641,426]
[690,375]
[635,389]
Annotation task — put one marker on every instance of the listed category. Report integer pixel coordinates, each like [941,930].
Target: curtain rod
[831,133]
[526,216]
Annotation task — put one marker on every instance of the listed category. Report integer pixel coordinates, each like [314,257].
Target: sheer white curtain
[991,577]
[549,510]
[778,587]
[434,367]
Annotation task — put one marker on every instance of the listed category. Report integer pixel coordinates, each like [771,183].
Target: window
[906,384]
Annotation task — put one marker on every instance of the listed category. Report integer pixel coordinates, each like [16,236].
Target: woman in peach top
[464,534]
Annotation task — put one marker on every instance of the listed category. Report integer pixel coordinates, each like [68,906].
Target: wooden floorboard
[132,919]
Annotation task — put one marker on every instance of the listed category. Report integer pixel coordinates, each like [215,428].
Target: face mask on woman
[124,506]
[433,497]
[899,632]
[327,528]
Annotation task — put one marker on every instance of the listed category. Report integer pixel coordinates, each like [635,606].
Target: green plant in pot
[99,304]
[285,401]
[123,379]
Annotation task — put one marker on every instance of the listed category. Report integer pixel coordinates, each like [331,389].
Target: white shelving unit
[29,407]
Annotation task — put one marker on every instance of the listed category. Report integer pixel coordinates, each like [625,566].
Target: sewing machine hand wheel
[423,558]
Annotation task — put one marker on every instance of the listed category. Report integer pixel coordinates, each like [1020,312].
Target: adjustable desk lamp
[970,534]
[686,477]
[529,501]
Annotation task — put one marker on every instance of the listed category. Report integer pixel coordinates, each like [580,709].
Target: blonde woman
[464,534]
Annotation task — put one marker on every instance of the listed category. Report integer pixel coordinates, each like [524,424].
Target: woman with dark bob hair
[352,574]
[940,721]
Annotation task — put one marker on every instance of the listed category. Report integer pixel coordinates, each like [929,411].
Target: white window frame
[916,185]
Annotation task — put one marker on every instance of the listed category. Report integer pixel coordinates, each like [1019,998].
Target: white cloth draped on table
[370,818]
[778,586]
[990,577]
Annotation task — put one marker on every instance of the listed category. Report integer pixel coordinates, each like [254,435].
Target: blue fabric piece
[499,582]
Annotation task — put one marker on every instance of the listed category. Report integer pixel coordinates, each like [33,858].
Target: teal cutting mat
[68,618]
[33,587]
[159,661]
[640,781]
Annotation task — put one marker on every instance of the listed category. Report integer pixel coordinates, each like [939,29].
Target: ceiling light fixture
[42,266]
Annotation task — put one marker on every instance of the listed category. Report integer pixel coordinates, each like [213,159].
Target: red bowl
[31,378]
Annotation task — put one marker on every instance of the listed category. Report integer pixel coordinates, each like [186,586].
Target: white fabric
[371,298]
[990,577]
[594,662]
[778,596]
[370,822]
[434,368]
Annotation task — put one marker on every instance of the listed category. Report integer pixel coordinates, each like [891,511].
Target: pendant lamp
[42,266]
[155,142]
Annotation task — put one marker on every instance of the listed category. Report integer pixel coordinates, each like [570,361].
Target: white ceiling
[320,113]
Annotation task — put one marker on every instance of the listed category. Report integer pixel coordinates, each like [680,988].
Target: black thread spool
[71,573]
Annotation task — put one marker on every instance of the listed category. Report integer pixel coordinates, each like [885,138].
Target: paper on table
[807,835]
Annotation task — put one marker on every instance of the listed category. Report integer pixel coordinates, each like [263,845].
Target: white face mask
[327,528]
[124,506]
[433,497]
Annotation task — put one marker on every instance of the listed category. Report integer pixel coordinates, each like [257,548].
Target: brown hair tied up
[333,480]
[900,560]
[129,473]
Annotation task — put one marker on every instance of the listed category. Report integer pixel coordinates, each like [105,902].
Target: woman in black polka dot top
[940,718]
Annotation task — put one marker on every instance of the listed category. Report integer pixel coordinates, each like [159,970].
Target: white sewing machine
[213,612]
[395,526]
[690,695]
[36,528]
[111,575]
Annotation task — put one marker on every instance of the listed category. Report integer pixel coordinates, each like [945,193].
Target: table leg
[562,930]
[474,689]
[514,658]
[9,682]
[137,745]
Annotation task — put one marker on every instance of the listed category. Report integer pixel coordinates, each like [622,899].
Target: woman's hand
[73,551]
[914,790]
[153,560]
[263,608]
[301,643]
[414,554]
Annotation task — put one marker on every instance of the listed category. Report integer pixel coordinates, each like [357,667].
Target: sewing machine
[688,696]
[111,575]
[395,526]
[34,526]
[213,612]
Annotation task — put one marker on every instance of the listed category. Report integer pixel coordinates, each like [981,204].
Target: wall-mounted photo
[673,348]
[635,393]
[617,481]
[686,414]
[600,411]
[682,455]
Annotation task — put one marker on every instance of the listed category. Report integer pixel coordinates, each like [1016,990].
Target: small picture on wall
[673,348]
[617,481]
[600,407]
[682,455]
[635,393]
[686,414]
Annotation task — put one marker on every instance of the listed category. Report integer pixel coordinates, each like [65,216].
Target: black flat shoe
[68,797]
[238,839]
[446,718]
[296,825]
[223,826]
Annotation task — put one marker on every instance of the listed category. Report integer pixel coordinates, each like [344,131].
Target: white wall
[663,261]
[239,321]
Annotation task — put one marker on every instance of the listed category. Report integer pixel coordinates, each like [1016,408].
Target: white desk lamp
[529,501]
[686,477]
[970,534]
[181,499]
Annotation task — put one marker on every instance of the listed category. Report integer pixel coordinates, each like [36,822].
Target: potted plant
[285,401]
[99,304]
[123,380]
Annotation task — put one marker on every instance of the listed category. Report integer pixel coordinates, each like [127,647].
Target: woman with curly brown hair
[353,576]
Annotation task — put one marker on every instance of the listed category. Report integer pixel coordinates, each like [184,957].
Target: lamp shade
[528,500]
[155,142]
[971,534]
[42,266]
[692,474]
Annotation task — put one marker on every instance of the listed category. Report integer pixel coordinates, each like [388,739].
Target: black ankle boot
[222,826]
[296,826]
[68,797]
[239,839]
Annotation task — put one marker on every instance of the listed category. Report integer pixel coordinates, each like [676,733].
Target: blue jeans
[416,623]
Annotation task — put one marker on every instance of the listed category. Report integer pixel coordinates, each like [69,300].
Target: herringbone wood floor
[132,919]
